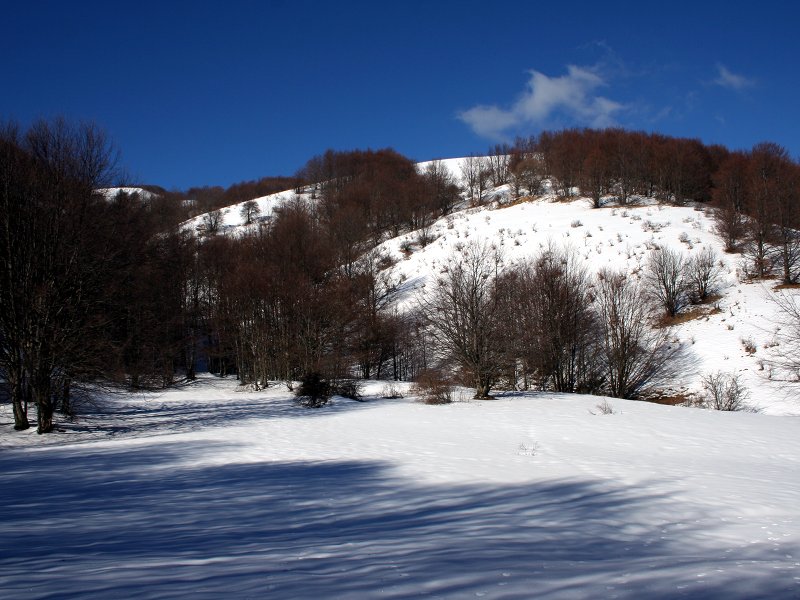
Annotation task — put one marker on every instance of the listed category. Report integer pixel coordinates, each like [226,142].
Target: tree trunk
[787,271]
[482,387]
[20,409]
[20,405]
[66,398]
[44,410]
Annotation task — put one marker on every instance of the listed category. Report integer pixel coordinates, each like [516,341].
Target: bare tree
[702,275]
[634,353]
[461,311]
[728,195]
[470,169]
[498,161]
[484,178]
[554,331]
[249,211]
[786,234]
[763,185]
[724,391]
[55,260]
[442,187]
[212,221]
[788,303]
[664,275]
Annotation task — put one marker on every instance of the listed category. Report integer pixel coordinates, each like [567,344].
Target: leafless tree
[54,259]
[470,169]
[702,275]
[212,221]
[498,162]
[788,303]
[724,391]
[728,195]
[666,283]
[634,353]
[526,171]
[249,211]
[763,182]
[484,178]
[442,186]
[554,330]
[461,311]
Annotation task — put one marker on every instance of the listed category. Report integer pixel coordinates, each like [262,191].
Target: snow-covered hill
[208,492]
[737,334]
[232,221]
[113,191]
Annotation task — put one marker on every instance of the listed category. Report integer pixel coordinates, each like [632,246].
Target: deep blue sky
[210,93]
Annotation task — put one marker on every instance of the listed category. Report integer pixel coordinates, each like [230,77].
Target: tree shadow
[154,414]
[143,521]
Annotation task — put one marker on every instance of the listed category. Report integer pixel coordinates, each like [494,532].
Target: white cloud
[732,81]
[572,96]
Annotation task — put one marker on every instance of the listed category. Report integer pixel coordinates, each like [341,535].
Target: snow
[621,237]
[617,237]
[207,491]
[233,222]
[109,193]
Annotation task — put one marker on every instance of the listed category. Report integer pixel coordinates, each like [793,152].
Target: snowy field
[209,492]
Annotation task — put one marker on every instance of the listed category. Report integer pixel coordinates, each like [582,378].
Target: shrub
[724,391]
[433,388]
[314,390]
[348,388]
[604,408]
[391,392]
[666,280]
[703,272]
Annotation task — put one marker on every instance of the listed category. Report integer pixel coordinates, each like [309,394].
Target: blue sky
[211,93]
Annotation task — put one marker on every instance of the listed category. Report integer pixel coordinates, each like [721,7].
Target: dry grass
[520,200]
[670,399]
[699,312]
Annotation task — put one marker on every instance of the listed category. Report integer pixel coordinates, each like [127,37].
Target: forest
[101,292]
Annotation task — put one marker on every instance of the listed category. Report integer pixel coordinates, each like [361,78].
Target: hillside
[213,488]
[737,333]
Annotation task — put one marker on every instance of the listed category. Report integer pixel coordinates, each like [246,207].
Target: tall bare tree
[666,279]
[53,256]
[554,332]
[461,309]
[634,352]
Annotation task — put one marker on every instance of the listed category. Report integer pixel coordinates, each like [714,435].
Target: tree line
[90,289]
[104,292]
[547,323]
[755,194]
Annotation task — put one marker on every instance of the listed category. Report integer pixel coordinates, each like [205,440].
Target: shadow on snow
[144,522]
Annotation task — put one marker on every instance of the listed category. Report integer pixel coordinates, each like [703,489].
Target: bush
[348,388]
[433,388]
[314,390]
[703,272]
[666,280]
[391,392]
[724,391]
